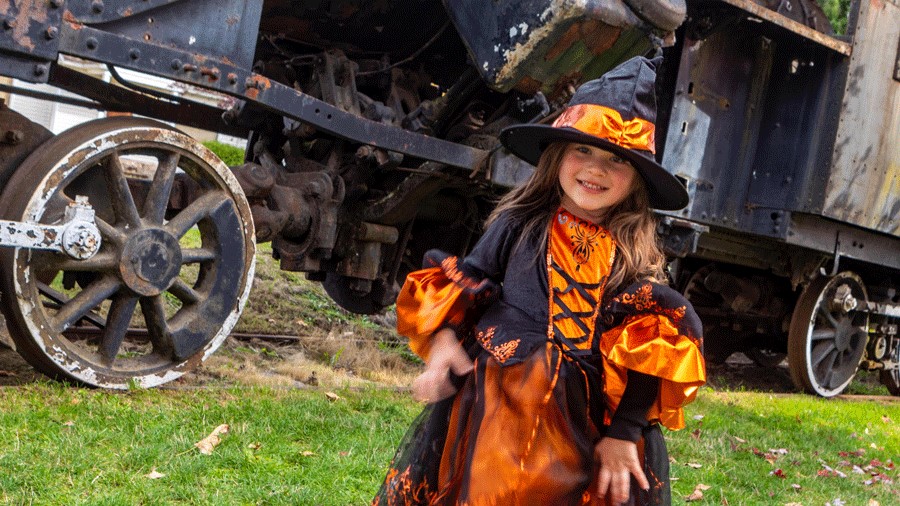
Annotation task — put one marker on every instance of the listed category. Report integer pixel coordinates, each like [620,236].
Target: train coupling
[77,236]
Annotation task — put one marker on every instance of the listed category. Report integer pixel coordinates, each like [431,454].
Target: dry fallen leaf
[154,474]
[793,504]
[696,434]
[209,443]
[697,494]
[307,453]
[739,440]
[885,419]
[254,446]
[69,423]
[332,396]
[796,486]
[694,465]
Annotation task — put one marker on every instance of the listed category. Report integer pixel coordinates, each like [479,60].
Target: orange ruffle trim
[651,345]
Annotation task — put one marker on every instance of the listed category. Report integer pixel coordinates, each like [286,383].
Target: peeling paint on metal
[35,209]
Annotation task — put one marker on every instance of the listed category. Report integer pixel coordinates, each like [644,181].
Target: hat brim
[664,190]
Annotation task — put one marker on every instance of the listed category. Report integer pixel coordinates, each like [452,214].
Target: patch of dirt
[336,359]
[347,358]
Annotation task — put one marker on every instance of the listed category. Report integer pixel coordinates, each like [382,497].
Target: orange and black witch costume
[553,358]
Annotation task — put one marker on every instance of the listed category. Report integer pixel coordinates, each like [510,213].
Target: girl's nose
[599,166]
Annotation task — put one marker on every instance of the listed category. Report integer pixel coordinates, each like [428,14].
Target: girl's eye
[583,149]
[618,159]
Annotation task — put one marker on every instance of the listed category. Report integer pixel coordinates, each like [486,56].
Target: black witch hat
[616,112]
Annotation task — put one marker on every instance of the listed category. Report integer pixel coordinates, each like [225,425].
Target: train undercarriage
[365,149]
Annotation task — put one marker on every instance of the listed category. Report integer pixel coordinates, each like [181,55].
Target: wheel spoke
[825,313]
[185,293]
[158,196]
[820,352]
[85,301]
[109,232]
[120,195]
[157,326]
[197,255]
[117,323]
[822,333]
[196,211]
[103,261]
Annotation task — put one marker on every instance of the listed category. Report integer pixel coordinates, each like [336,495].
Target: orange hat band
[607,124]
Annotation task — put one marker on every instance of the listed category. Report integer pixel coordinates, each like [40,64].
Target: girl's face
[593,180]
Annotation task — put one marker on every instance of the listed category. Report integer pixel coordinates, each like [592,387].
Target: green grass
[738,430]
[75,446]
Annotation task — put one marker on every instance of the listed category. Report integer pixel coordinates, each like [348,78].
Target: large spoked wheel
[827,339]
[189,268]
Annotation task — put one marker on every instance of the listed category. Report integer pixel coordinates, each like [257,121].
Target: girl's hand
[618,461]
[447,355]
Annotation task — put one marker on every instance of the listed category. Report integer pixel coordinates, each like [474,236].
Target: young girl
[553,351]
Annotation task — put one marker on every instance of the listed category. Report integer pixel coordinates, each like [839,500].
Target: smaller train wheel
[825,342]
[718,342]
[188,266]
[341,290]
[765,358]
[891,377]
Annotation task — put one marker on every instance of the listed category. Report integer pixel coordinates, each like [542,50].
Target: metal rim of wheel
[190,295]
[825,345]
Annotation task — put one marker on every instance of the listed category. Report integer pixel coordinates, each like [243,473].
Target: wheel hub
[150,261]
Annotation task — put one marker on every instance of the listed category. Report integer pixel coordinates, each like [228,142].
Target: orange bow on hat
[606,123]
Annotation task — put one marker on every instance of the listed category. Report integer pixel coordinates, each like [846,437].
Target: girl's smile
[593,180]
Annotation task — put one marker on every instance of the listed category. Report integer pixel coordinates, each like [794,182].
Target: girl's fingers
[603,484]
[640,477]
[432,386]
[460,363]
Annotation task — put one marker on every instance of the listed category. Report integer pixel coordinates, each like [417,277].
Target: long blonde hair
[631,222]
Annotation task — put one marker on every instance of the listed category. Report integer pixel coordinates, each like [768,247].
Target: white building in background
[57,117]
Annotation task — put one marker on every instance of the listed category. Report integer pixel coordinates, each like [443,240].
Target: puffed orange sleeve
[660,337]
[438,297]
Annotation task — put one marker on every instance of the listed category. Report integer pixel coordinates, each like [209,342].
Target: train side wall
[864,183]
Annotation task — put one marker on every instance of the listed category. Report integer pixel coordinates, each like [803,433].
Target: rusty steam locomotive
[372,137]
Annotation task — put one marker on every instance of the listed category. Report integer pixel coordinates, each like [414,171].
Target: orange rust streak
[68,17]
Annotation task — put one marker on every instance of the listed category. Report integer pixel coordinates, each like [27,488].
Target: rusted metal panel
[547,46]
[219,29]
[864,184]
[804,31]
[29,38]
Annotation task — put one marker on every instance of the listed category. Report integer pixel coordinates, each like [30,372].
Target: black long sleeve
[631,415]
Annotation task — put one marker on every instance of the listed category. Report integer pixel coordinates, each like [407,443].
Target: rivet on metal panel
[135,53]
[176,64]
[211,73]
[97,6]
[56,4]
[91,43]
[51,33]
[40,69]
